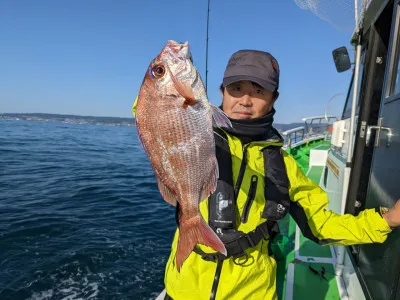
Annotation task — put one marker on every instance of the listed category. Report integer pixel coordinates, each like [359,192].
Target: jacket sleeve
[309,210]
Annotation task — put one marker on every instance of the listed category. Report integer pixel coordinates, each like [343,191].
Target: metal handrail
[314,128]
[293,135]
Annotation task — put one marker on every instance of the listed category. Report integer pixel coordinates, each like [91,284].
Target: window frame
[394,58]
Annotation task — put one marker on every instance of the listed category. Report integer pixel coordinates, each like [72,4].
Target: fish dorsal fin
[220,118]
[166,192]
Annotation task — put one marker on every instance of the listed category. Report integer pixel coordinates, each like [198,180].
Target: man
[258,185]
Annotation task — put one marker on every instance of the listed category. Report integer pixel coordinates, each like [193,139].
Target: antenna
[208,22]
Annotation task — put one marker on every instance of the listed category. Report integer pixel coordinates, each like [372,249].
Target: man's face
[246,100]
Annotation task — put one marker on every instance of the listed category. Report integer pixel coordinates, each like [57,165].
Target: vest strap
[276,190]
[236,247]
[222,203]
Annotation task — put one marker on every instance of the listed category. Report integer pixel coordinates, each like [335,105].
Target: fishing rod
[208,22]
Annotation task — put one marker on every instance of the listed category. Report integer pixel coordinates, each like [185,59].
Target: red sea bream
[175,125]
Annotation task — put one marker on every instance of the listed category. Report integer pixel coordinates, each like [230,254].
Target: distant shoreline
[111,121]
[69,119]
[62,115]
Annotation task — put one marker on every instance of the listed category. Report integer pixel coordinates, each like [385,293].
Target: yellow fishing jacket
[253,276]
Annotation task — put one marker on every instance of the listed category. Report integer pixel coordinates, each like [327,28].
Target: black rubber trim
[241,171]
[250,198]
[216,280]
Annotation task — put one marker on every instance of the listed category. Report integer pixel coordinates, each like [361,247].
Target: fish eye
[158,71]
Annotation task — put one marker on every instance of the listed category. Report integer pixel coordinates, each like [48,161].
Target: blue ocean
[81,216]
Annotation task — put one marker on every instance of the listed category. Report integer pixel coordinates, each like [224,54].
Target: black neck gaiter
[250,130]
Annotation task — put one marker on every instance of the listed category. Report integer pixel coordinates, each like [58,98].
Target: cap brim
[265,84]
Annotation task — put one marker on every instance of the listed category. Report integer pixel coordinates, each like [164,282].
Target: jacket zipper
[250,197]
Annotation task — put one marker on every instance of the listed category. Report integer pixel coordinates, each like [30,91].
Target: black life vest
[223,212]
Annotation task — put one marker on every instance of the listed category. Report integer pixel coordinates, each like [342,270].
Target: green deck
[302,153]
[315,173]
[293,274]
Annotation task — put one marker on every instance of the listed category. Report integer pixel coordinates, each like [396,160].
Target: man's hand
[392,217]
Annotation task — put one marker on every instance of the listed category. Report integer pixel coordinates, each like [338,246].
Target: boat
[354,158]
[356,163]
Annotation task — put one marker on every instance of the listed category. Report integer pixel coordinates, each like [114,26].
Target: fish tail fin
[195,231]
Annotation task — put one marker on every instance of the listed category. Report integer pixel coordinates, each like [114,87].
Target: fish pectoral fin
[184,90]
[166,192]
[220,118]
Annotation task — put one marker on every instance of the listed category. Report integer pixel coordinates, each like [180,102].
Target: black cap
[253,65]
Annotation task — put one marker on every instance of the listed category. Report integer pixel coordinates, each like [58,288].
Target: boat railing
[319,125]
[293,136]
[314,128]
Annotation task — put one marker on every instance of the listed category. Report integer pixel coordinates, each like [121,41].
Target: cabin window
[394,83]
[347,106]
[396,88]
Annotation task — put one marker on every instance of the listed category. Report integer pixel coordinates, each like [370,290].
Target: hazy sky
[88,57]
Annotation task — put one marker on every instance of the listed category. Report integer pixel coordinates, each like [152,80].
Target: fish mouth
[174,53]
[178,61]
[175,59]
[179,50]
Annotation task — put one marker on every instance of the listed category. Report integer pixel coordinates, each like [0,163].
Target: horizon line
[88,116]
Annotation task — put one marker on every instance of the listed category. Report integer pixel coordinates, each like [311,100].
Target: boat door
[379,264]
